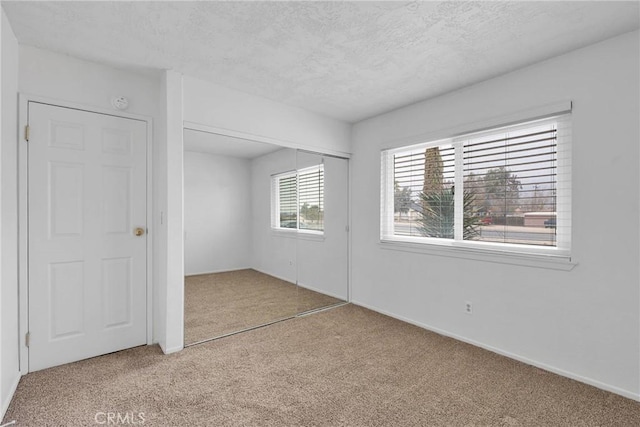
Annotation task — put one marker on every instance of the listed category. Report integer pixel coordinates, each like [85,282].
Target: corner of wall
[602,80]
[169,243]
[9,351]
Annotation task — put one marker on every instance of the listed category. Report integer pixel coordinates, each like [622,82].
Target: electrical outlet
[468,307]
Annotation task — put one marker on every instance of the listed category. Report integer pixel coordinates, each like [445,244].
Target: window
[298,200]
[503,189]
[288,201]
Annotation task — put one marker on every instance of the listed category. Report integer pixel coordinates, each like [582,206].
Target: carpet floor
[220,303]
[342,367]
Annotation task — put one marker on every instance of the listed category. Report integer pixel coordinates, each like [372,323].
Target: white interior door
[87,266]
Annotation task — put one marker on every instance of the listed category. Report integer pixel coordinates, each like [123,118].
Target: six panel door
[87,267]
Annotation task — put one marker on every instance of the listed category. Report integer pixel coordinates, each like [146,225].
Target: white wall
[584,323]
[9,357]
[217,213]
[49,74]
[168,219]
[268,121]
[64,78]
[318,263]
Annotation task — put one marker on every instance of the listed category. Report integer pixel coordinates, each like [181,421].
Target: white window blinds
[423,182]
[298,200]
[311,198]
[508,185]
[287,201]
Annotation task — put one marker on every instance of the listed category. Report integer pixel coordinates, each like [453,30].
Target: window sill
[550,261]
[298,234]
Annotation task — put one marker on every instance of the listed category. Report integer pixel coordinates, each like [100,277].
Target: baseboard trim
[537,364]
[7,399]
[217,271]
[172,349]
[274,275]
[322,291]
[311,288]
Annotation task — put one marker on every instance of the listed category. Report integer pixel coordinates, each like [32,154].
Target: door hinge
[26,133]
[27,339]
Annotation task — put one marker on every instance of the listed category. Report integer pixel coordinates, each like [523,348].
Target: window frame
[275,200]
[275,203]
[559,255]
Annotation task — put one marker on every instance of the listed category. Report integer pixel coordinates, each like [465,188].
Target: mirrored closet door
[322,239]
[260,219]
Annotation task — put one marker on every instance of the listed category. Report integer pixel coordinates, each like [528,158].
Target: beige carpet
[221,303]
[343,367]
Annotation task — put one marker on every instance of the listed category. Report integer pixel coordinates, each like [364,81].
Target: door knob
[139,231]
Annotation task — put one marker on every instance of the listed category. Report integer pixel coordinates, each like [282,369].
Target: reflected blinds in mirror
[287,200]
[311,198]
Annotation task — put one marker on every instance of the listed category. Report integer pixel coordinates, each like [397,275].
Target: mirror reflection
[322,240]
[265,234]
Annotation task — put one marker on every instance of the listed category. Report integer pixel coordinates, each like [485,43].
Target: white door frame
[23,217]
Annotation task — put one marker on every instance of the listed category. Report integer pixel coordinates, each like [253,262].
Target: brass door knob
[139,231]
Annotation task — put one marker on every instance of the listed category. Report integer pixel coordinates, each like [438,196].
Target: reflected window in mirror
[297,200]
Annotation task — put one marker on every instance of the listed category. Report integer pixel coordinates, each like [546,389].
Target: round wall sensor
[120,103]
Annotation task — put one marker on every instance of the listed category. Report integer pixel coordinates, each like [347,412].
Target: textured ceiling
[348,60]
